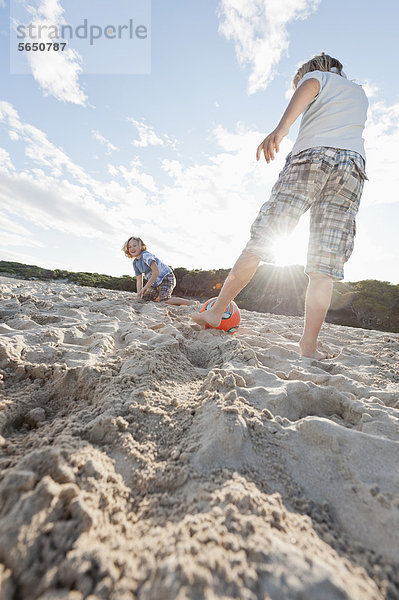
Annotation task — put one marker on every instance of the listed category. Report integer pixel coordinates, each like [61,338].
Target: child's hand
[142,292]
[271,143]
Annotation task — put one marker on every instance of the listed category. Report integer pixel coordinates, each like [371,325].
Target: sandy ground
[143,458]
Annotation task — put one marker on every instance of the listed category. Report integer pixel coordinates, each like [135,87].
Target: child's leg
[318,298]
[290,198]
[152,295]
[166,288]
[332,232]
[237,279]
[176,301]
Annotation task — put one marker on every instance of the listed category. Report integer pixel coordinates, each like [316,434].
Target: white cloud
[209,207]
[259,31]
[59,194]
[37,146]
[372,258]
[100,138]
[57,73]
[133,174]
[200,219]
[382,149]
[6,224]
[147,135]
[112,170]
[51,203]
[15,235]
[21,257]
[12,240]
[3,4]
[5,160]
[371,89]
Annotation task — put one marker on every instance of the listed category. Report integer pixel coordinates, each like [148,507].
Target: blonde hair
[126,244]
[321,62]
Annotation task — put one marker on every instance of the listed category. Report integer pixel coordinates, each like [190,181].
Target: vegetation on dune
[370,303]
[33,272]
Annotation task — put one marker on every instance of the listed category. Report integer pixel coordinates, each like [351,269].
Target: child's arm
[139,284]
[299,101]
[154,275]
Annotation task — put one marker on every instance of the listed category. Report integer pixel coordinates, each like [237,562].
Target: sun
[292,249]
[284,251]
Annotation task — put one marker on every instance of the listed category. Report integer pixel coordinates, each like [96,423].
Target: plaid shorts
[330,182]
[163,291]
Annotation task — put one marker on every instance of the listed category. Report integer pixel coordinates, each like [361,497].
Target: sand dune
[143,458]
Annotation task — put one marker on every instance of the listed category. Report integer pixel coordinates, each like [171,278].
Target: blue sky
[88,160]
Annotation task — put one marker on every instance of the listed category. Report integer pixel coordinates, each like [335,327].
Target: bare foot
[317,355]
[307,352]
[206,318]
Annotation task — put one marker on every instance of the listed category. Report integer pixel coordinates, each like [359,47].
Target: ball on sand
[230,319]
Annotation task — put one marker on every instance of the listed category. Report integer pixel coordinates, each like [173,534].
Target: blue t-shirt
[142,265]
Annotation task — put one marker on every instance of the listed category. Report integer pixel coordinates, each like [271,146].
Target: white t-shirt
[335,117]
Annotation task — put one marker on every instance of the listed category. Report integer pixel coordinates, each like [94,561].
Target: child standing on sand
[325,171]
[160,278]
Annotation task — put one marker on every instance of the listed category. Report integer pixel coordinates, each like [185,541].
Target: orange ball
[230,319]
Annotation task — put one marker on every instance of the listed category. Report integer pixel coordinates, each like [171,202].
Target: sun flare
[292,249]
[284,251]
